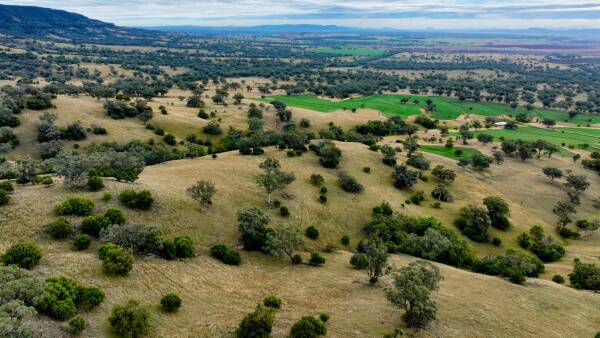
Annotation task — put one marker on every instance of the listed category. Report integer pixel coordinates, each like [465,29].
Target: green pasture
[449,152]
[446,108]
[563,137]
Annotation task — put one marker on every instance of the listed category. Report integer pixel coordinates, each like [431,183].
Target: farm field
[446,108]
[349,51]
[575,137]
[449,152]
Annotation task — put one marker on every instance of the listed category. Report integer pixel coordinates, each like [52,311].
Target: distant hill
[38,22]
[271,29]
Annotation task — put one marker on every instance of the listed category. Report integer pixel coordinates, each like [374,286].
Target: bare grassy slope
[217,296]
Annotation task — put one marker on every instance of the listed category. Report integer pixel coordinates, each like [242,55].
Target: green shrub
[92,225]
[4,197]
[345,240]
[284,211]
[496,241]
[60,229]
[115,259]
[324,317]
[441,193]
[136,200]
[170,302]
[59,298]
[585,276]
[359,261]
[296,259]
[95,183]
[257,324]
[7,186]
[226,254]
[142,239]
[308,327]
[349,183]
[24,254]
[417,197]
[272,302]
[115,216]
[316,180]
[184,247]
[366,170]
[106,197]
[558,279]
[316,259]
[322,199]
[89,296]
[516,277]
[81,242]
[77,325]
[524,240]
[312,232]
[130,320]
[168,250]
[75,206]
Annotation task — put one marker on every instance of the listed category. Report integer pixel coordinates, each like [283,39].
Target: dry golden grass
[216,296]
[69,109]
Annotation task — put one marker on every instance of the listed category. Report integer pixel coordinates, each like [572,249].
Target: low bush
[115,259]
[308,327]
[585,276]
[75,206]
[284,211]
[312,232]
[115,216]
[272,302]
[81,242]
[168,250]
[89,296]
[77,325]
[349,183]
[95,183]
[417,197]
[316,180]
[142,239]
[345,240]
[184,247]
[92,225]
[60,229]
[130,320]
[170,302]
[24,254]
[558,279]
[226,254]
[359,261]
[7,186]
[4,197]
[441,193]
[136,200]
[316,259]
[296,259]
[257,324]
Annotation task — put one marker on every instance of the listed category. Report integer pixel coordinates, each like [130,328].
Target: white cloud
[391,13]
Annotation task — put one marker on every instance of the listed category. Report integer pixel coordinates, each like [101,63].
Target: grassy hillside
[217,296]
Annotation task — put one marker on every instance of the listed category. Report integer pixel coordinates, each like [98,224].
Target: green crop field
[576,137]
[449,152]
[351,51]
[446,108]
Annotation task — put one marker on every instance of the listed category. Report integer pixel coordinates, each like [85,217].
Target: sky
[402,14]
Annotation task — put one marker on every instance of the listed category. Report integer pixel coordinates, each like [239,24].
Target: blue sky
[416,14]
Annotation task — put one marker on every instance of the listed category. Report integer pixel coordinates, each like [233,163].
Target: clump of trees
[585,276]
[329,154]
[513,265]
